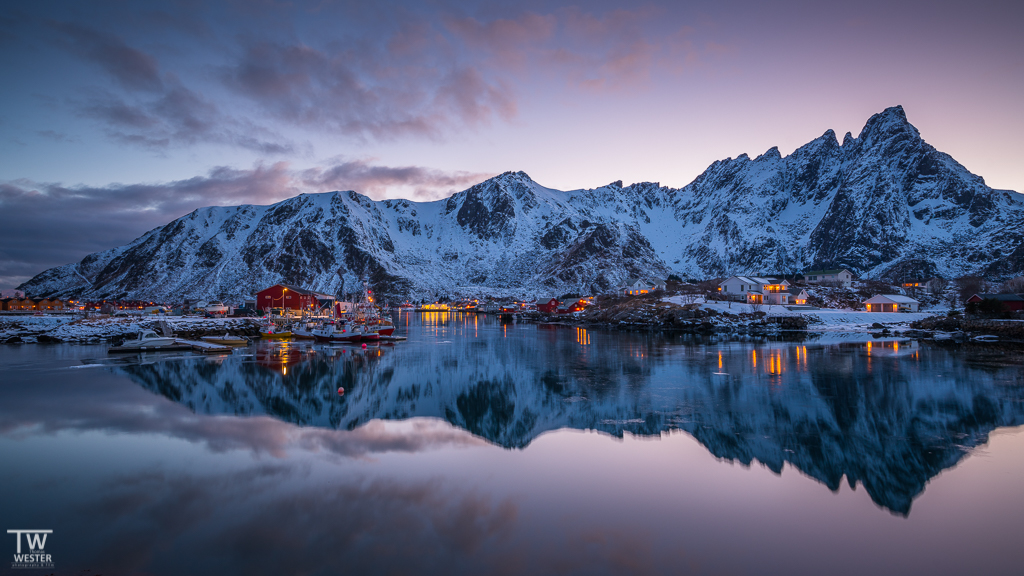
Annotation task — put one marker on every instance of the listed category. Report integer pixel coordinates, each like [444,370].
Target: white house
[842,276]
[637,286]
[757,290]
[797,295]
[891,303]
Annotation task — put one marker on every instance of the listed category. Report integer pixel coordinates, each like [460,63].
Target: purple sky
[116,117]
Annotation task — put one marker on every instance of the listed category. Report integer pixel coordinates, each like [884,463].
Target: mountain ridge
[884,204]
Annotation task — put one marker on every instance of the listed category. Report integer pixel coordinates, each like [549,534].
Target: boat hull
[337,338]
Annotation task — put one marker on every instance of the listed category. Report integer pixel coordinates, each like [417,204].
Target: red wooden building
[1010,302]
[288,298]
[547,305]
[570,307]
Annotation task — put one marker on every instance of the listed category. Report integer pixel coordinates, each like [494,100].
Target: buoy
[341,391]
[364,346]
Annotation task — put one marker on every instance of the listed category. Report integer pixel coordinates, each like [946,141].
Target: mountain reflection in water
[888,414]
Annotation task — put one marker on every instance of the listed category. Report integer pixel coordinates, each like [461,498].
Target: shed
[891,303]
[1009,301]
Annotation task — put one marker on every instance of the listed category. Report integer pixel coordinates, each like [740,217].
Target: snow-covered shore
[27,329]
[819,320]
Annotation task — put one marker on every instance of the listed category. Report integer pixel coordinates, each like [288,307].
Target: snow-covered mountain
[884,204]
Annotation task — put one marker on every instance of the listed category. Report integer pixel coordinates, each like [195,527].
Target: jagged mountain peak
[769,154]
[882,204]
[887,123]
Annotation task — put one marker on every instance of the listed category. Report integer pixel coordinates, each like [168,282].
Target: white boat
[147,339]
[304,330]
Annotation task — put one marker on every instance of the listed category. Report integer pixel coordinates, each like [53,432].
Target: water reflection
[886,414]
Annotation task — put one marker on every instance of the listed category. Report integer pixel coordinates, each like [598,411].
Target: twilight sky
[118,116]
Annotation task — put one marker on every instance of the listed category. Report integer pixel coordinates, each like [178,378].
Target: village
[815,300]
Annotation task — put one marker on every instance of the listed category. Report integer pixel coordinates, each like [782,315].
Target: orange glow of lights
[753,355]
[775,363]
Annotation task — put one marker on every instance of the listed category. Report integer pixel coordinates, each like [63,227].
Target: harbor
[535,433]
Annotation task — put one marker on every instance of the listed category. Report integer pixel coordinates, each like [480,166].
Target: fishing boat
[338,331]
[375,323]
[271,332]
[304,330]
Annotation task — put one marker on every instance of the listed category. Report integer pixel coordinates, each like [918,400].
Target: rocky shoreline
[641,314]
[28,330]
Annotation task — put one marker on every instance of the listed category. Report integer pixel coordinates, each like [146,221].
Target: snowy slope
[884,204]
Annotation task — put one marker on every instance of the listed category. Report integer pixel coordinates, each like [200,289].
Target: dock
[204,347]
[172,348]
[180,345]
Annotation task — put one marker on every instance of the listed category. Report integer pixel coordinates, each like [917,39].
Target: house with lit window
[289,297]
[757,290]
[636,287]
[797,295]
[841,275]
[569,307]
[891,303]
[547,304]
[52,304]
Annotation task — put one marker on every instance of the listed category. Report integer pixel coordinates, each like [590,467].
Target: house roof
[755,280]
[833,271]
[892,298]
[1000,297]
[795,291]
[301,291]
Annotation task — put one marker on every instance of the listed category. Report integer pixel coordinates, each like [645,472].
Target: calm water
[479,448]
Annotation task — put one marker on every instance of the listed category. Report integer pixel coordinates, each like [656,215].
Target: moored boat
[271,332]
[147,339]
[337,332]
[304,330]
